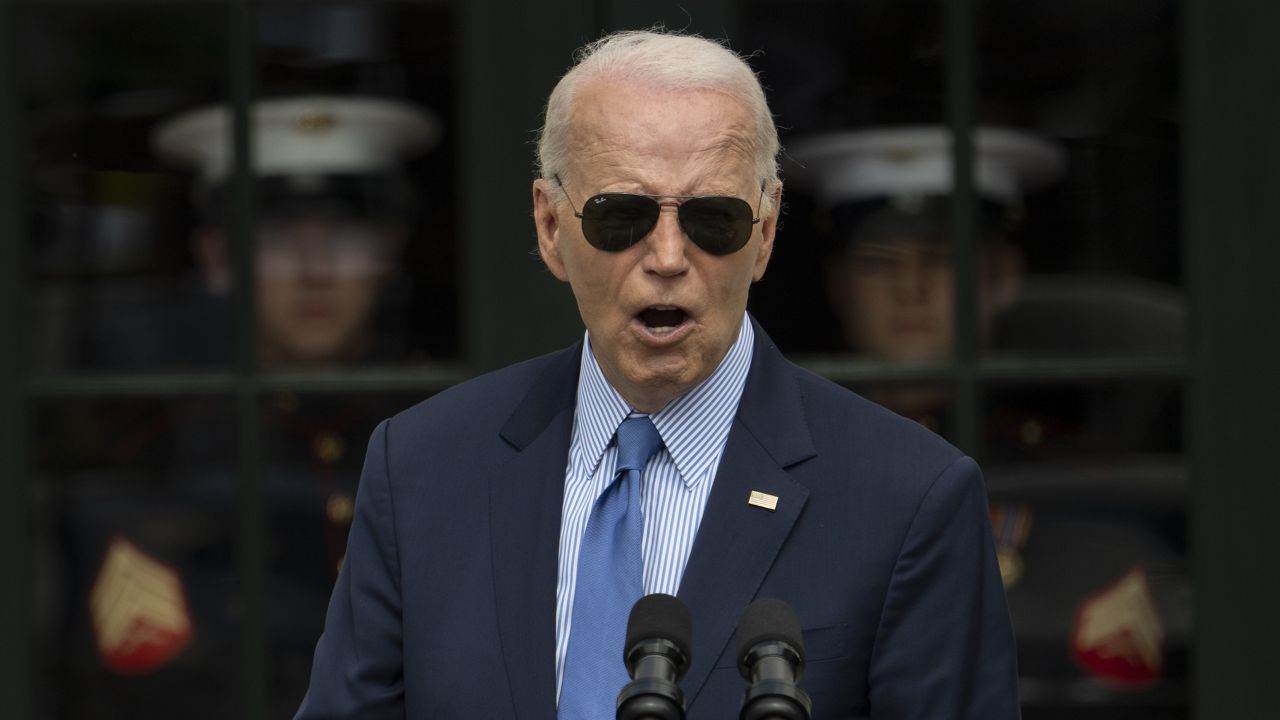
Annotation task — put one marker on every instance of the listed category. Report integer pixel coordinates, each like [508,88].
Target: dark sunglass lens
[616,221]
[718,225]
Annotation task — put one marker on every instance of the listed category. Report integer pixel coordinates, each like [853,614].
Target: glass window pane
[931,404]
[1089,491]
[134,584]
[1097,237]
[1041,422]
[1088,482]
[863,259]
[357,233]
[109,260]
[316,448]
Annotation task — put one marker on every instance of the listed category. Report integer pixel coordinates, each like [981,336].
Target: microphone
[657,656]
[771,658]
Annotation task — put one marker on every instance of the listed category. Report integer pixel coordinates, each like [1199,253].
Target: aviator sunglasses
[613,222]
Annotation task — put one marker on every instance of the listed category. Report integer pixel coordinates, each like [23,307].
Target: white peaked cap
[313,135]
[913,161]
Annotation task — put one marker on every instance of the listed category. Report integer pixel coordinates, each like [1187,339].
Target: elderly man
[504,527]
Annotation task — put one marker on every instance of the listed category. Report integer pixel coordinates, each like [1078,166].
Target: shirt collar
[693,427]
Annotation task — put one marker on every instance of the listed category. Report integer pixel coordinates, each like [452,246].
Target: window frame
[1222,46]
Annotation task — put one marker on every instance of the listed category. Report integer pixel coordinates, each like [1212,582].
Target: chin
[661,373]
[668,378]
[917,355]
[317,350]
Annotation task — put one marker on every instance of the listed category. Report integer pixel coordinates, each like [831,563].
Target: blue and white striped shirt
[676,482]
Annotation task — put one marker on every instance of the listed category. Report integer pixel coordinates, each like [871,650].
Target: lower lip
[663,339]
[913,327]
[314,313]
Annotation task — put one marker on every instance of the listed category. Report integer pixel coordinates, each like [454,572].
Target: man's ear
[209,247]
[547,222]
[768,230]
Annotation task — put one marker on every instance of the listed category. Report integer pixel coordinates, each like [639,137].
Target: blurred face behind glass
[898,299]
[661,314]
[318,279]
[894,294]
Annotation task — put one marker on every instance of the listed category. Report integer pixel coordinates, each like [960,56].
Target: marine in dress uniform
[156,595]
[1087,501]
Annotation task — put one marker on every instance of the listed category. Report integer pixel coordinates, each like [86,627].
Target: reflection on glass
[136,601]
[1102,250]
[128,259]
[333,207]
[316,448]
[831,68]
[356,183]
[1081,259]
[1071,420]
[1093,314]
[1099,257]
[930,404]
[1088,482]
[885,196]
[106,248]
[1089,487]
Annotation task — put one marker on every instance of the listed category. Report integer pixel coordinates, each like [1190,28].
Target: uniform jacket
[445,606]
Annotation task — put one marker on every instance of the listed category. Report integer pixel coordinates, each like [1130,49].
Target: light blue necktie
[610,580]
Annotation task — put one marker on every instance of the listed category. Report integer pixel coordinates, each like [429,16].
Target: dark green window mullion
[241,70]
[14,671]
[1229,70]
[961,89]
[1002,370]
[512,53]
[432,378]
[423,379]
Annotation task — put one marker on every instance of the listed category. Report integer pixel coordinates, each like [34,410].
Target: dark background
[1167,111]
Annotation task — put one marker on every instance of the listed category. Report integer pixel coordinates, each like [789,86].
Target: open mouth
[661,320]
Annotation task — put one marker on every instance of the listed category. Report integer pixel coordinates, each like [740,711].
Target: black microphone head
[768,620]
[659,616]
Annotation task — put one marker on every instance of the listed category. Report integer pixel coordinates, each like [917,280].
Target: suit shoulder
[847,426]
[488,398]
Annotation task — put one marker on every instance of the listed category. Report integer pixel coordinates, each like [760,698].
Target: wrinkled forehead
[629,131]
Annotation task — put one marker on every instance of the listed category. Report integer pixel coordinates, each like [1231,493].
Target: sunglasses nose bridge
[673,216]
[663,206]
[666,241]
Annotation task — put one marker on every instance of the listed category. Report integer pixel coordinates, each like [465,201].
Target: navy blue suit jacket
[445,606]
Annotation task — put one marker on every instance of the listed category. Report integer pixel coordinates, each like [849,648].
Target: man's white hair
[665,61]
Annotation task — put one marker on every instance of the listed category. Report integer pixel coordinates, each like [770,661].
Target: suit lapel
[525,500]
[738,542]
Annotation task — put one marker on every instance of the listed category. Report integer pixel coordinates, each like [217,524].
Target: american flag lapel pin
[763,500]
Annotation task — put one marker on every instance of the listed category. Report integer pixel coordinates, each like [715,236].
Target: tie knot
[638,440]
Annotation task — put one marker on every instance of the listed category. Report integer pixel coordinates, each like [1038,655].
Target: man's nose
[316,257]
[665,244]
[912,280]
